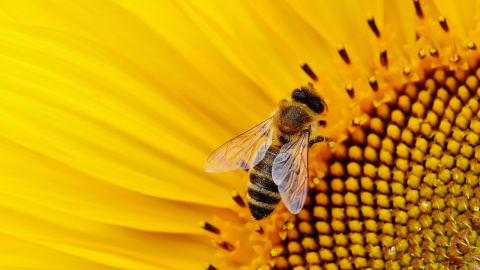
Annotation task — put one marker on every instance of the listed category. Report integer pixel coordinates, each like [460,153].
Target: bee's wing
[290,173]
[244,151]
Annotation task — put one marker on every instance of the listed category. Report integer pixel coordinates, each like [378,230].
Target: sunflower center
[403,190]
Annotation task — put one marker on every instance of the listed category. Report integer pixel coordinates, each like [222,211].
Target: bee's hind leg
[319,139]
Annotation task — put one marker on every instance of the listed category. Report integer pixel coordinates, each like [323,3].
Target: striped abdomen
[263,195]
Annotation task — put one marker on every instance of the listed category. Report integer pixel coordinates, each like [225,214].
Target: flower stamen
[454,58]
[471,45]
[418,8]
[276,252]
[443,23]
[343,53]
[208,266]
[258,228]
[356,121]
[383,58]
[306,68]
[223,244]
[373,26]
[349,89]
[422,53]
[208,227]
[372,80]
[236,197]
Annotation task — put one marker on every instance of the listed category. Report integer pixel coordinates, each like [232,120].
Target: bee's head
[308,96]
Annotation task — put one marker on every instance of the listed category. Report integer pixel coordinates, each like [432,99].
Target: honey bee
[276,153]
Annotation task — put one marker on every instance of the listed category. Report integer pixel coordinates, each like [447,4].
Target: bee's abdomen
[263,195]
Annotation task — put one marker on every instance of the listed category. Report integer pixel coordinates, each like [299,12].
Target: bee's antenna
[325,104]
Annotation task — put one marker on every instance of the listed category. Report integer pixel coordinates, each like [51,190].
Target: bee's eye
[314,103]
[316,106]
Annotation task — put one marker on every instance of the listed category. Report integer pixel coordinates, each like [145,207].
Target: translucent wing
[244,151]
[290,173]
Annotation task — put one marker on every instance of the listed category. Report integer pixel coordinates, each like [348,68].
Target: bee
[276,153]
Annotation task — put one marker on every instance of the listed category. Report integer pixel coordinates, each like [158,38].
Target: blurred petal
[75,102]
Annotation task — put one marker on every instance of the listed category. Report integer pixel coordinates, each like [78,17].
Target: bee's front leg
[319,139]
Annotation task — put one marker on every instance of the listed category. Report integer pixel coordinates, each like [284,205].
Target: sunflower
[109,109]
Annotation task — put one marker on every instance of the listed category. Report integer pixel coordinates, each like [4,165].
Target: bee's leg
[319,139]
[316,140]
[283,139]
[322,123]
[288,225]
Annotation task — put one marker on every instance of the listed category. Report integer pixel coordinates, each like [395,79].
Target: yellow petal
[119,130]
[105,244]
